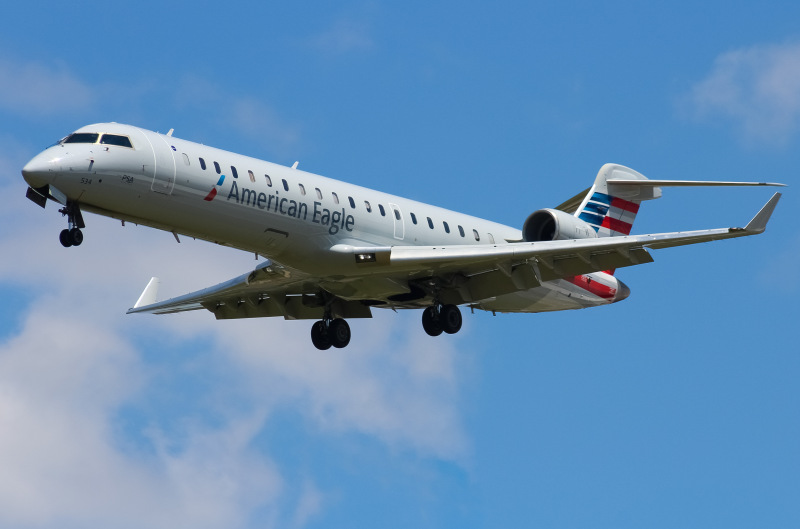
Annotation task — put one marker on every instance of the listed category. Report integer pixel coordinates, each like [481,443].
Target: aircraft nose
[622,291]
[39,171]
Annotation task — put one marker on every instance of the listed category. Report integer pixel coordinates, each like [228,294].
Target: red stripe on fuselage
[592,286]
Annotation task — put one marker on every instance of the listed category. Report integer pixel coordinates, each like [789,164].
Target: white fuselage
[289,215]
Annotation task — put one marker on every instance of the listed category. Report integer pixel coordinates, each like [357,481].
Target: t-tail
[611,209]
[611,204]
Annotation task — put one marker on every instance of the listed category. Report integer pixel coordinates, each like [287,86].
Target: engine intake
[554,225]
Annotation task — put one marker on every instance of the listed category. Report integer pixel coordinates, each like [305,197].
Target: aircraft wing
[475,271]
[271,289]
[547,260]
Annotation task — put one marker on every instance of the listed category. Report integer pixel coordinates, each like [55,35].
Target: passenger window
[285,184]
[233,172]
[397,214]
[446,227]
[185,159]
[335,198]
[82,137]
[202,164]
[366,205]
[413,218]
[319,193]
[115,139]
[268,179]
[430,223]
[216,166]
[383,211]
[302,189]
[352,202]
[252,176]
[461,231]
[475,233]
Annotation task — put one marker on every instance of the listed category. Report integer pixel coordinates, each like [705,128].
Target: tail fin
[611,209]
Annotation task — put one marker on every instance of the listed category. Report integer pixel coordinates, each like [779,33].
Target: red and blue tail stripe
[609,216]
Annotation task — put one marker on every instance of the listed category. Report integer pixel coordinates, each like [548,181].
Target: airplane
[333,251]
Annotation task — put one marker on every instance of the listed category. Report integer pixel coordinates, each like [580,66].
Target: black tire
[430,322]
[319,336]
[76,236]
[450,319]
[64,237]
[339,333]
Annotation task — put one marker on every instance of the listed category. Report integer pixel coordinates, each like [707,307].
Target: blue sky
[678,407]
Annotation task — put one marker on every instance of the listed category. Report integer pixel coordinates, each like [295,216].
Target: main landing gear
[327,332]
[441,318]
[72,236]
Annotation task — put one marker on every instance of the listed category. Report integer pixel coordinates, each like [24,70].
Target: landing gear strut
[72,236]
[441,318]
[326,333]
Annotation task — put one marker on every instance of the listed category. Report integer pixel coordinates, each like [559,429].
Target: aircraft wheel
[339,333]
[319,336]
[450,319]
[430,322]
[76,236]
[65,238]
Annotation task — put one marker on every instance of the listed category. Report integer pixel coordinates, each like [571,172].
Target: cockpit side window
[82,137]
[116,139]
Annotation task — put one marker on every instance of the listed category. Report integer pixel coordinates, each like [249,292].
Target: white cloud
[41,89]
[757,89]
[76,362]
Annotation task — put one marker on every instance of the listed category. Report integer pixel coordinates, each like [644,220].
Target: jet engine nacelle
[554,225]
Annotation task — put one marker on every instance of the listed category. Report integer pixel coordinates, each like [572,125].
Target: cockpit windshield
[93,137]
[116,139]
[82,137]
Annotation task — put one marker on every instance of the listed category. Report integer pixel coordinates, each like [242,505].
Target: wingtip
[759,222]
[149,295]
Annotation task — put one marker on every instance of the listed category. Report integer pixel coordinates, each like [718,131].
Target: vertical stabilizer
[611,212]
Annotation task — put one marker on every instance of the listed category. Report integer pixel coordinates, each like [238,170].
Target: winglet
[759,222]
[149,295]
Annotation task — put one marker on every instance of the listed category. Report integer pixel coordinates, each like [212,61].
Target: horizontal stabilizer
[686,183]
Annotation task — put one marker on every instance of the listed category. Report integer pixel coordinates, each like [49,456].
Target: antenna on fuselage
[170,132]
[294,165]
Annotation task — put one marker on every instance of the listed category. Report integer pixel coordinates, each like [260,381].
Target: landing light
[365,258]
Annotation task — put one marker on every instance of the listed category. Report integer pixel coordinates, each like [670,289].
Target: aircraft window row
[85,138]
[93,137]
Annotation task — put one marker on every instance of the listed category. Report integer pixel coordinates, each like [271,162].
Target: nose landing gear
[72,236]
